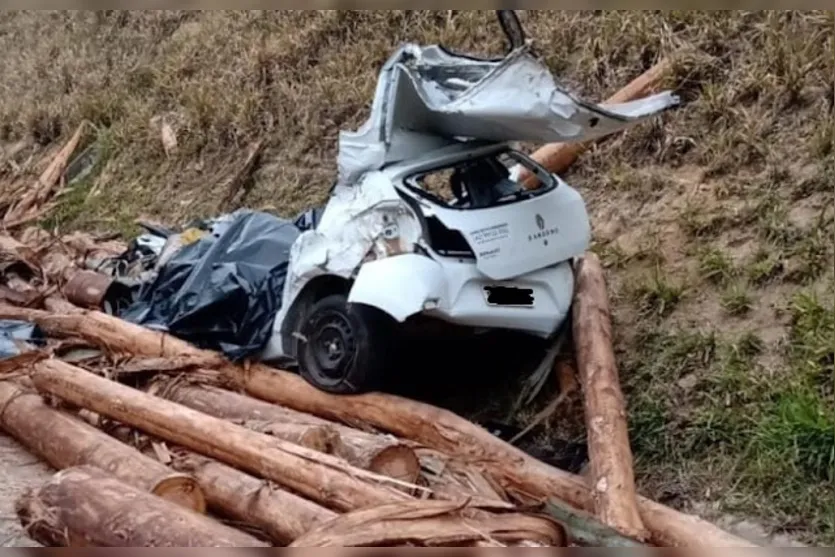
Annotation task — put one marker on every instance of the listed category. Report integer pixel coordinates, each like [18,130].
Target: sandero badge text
[543,232]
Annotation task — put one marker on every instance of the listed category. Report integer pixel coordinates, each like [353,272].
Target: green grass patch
[698,223]
[700,402]
[812,342]
[736,299]
[716,266]
[814,251]
[765,266]
[657,294]
[70,207]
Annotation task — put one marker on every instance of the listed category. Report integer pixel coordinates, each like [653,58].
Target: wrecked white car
[426,218]
[424,223]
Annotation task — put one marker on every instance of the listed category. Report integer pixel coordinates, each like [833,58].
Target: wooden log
[317,438]
[383,454]
[441,429]
[320,477]
[61,305]
[408,419]
[84,506]
[64,441]
[557,157]
[212,401]
[280,514]
[430,523]
[612,476]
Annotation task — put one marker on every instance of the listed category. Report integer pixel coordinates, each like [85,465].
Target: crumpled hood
[427,98]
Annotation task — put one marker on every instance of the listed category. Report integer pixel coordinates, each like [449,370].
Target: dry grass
[716,221]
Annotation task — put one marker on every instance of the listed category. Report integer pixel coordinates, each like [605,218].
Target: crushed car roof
[428,97]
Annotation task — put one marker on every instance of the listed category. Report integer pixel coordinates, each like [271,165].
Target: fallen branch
[64,441]
[612,478]
[40,192]
[239,179]
[84,506]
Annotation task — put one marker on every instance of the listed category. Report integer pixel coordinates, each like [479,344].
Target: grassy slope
[716,221]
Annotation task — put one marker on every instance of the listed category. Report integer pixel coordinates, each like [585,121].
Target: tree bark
[428,523]
[408,419]
[320,477]
[441,429]
[280,514]
[325,479]
[64,441]
[557,157]
[612,476]
[379,453]
[41,190]
[450,479]
[84,506]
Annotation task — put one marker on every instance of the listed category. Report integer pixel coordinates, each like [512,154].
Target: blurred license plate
[509,296]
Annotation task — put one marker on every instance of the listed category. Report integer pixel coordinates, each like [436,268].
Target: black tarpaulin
[221,292]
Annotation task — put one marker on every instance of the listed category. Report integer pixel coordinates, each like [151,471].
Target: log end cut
[182,490]
[397,461]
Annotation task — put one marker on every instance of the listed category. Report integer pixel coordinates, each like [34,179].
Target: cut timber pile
[377,453]
[65,441]
[195,441]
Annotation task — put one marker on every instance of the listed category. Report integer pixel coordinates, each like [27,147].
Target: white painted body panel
[517,238]
[453,291]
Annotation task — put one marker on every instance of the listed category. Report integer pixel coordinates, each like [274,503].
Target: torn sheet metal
[361,224]
[428,97]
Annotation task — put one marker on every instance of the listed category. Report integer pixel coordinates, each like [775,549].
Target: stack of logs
[159,443]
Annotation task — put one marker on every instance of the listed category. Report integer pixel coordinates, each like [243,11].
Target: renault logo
[543,233]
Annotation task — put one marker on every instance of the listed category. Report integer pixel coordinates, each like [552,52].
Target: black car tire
[345,348]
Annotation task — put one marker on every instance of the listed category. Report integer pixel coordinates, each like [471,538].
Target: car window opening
[480,183]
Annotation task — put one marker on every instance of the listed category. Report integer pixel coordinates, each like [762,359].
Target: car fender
[401,285]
